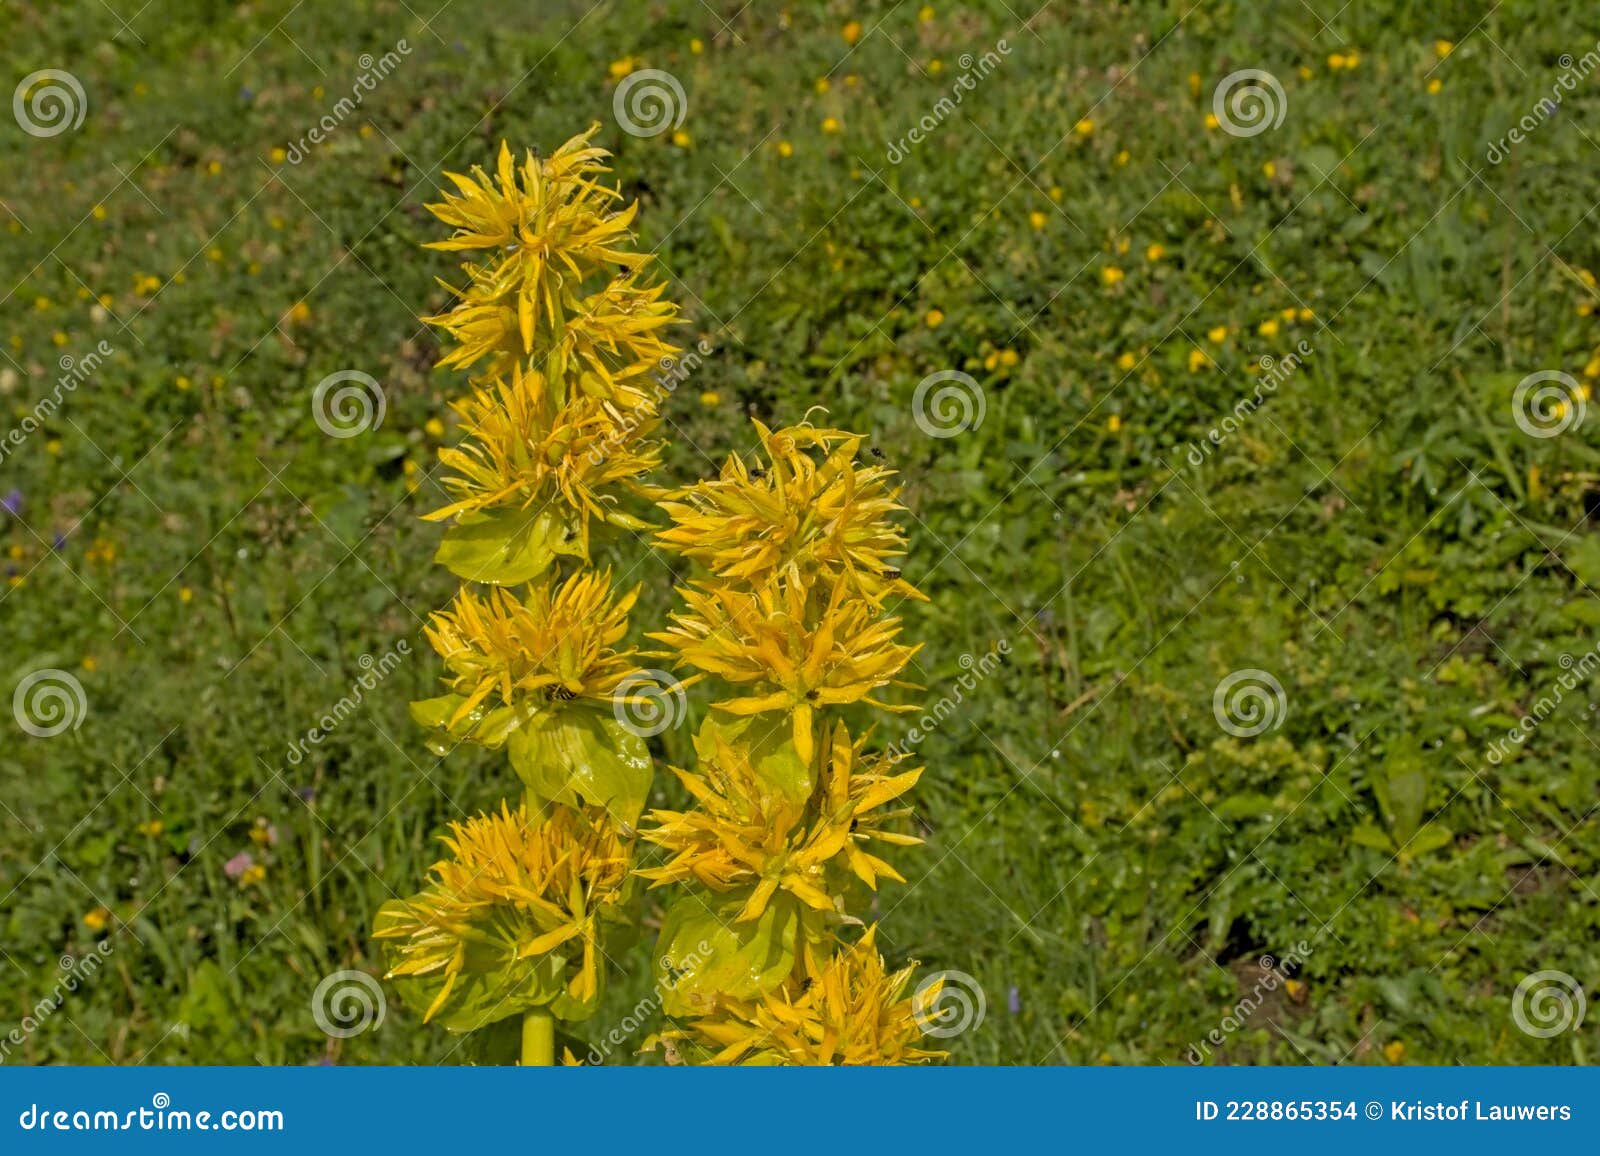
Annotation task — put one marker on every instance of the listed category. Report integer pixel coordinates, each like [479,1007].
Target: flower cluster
[789,620]
[555,431]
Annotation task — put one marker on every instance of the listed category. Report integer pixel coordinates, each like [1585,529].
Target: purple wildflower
[238,865]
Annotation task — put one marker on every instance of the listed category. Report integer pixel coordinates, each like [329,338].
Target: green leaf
[702,952]
[489,728]
[505,546]
[1402,790]
[769,737]
[576,754]
[1369,835]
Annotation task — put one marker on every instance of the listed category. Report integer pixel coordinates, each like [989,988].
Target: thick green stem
[538,1039]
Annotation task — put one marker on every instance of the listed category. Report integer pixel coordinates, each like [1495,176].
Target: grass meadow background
[1381,536]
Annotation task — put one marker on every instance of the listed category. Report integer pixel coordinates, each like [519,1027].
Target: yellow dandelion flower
[1211,122]
[1217,334]
[933,318]
[1155,253]
[1126,362]
[785,149]
[1443,48]
[1114,423]
[1037,219]
[682,139]
[558,643]
[830,124]
[152,828]
[1268,328]
[925,13]
[851,32]
[97,919]
[1434,85]
[710,398]
[1084,127]
[1111,275]
[252,875]
[1198,360]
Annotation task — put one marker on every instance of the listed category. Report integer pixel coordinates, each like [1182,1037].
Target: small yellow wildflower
[1084,127]
[1198,360]
[279,156]
[620,68]
[710,398]
[1394,1051]
[925,13]
[785,149]
[1211,122]
[1114,423]
[1111,275]
[823,84]
[851,32]
[1154,253]
[97,919]
[252,875]
[1037,219]
[1126,362]
[1269,169]
[1217,334]
[1443,48]
[681,139]
[214,167]
[99,212]
[1268,328]
[185,595]
[1335,61]
[433,427]
[90,663]
[152,828]
[1305,315]
[1122,158]
[1434,85]
[933,318]
[697,46]
[830,124]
